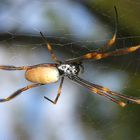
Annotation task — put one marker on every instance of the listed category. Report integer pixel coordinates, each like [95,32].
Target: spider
[42,74]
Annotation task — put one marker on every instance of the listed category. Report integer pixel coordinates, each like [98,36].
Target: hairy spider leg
[125,97]
[95,89]
[58,93]
[54,58]
[122,104]
[101,55]
[19,92]
[113,39]
[8,67]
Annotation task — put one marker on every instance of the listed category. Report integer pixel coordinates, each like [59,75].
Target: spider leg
[98,91]
[101,55]
[125,97]
[113,39]
[7,67]
[108,44]
[121,51]
[122,104]
[106,92]
[19,92]
[54,58]
[58,94]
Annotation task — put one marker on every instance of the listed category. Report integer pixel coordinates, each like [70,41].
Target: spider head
[69,69]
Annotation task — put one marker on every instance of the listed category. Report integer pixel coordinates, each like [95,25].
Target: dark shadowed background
[73,28]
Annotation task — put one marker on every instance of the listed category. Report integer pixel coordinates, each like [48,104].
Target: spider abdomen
[42,74]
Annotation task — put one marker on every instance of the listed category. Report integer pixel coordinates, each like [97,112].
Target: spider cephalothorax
[69,69]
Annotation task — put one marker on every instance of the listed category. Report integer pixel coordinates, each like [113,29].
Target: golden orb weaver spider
[45,73]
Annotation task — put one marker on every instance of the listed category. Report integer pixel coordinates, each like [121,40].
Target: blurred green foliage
[128,12]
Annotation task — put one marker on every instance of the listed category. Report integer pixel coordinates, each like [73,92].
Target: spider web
[80,114]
